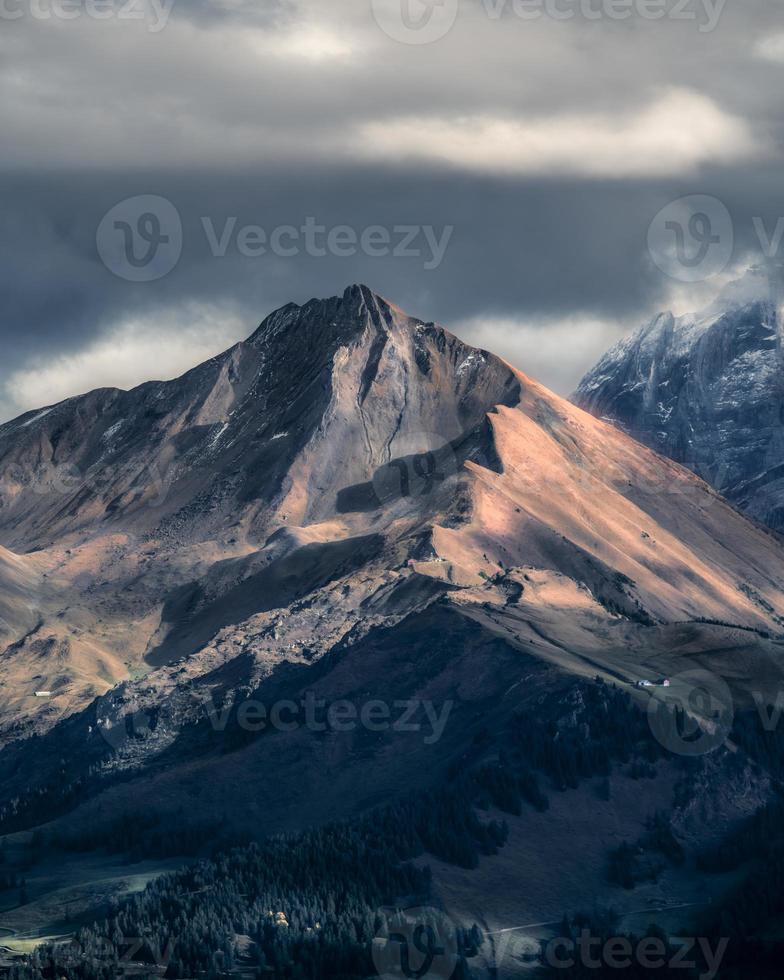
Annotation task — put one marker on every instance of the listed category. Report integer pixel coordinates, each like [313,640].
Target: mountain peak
[349,311]
[359,293]
[706,389]
[758,284]
[363,301]
[349,466]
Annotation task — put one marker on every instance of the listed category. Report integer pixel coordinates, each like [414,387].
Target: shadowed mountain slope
[354,510]
[707,390]
[345,468]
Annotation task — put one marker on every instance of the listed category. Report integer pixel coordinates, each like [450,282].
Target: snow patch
[113,430]
[473,358]
[35,418]
[217,437]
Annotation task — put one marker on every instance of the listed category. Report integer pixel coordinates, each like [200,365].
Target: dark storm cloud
[280,112]
[517,247]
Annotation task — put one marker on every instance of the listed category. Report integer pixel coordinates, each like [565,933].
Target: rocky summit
[344,467]
[707,390]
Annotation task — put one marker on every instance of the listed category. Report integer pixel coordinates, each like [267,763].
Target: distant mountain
[707,390]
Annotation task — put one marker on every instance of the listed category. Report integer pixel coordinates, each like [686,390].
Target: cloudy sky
[173,172]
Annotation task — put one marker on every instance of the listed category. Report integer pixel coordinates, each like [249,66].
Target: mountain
[127,499]
[707,390]
[211,516]
[350,380]
[354,507]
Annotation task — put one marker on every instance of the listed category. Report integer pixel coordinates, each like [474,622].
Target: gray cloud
[265,112]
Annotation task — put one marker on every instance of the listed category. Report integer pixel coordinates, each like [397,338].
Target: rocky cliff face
[145,522]
[341,386]
[707,391]
[343,469]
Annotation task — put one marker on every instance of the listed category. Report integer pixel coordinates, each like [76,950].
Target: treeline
[602,726]
[759,837]
[507,787]
[752,913]
[762,743]
[751,917]
[611,728]
[139,836]
[294,907]
[630,864]
[307,906]
[43,803]
[588,947]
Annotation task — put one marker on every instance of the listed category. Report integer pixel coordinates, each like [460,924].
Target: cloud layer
[548,146]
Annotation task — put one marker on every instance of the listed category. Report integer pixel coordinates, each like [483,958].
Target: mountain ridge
[339,471]
[358,509]
[707,390]
[356,296]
